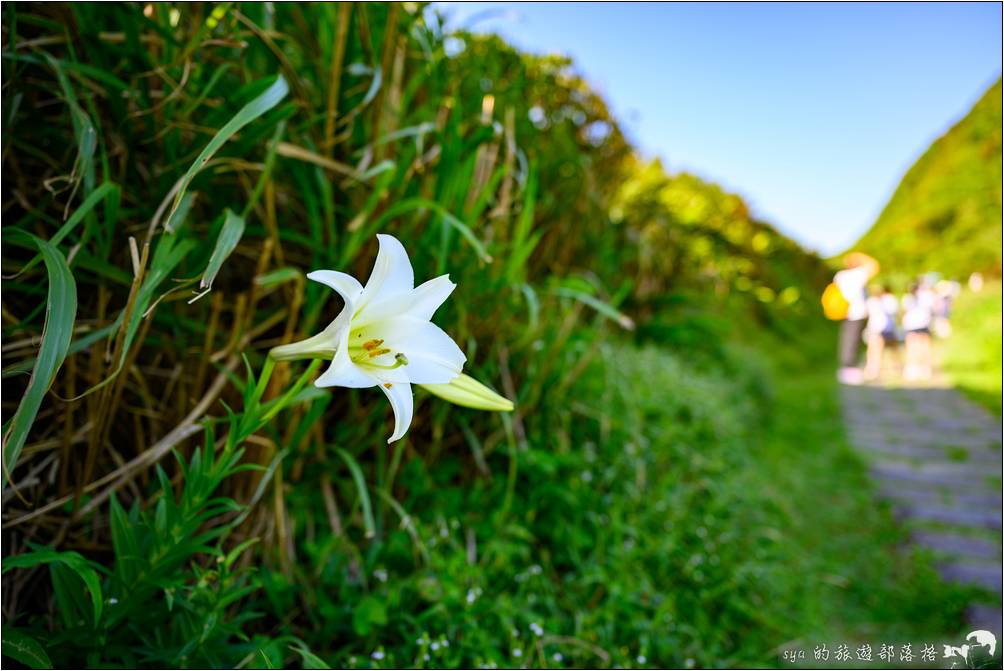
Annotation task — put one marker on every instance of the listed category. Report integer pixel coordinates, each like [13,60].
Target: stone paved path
[936,457]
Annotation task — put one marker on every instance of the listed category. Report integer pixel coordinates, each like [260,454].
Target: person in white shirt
[852,281]
[918,313]
[880,328]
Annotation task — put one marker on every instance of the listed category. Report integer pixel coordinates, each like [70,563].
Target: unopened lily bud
[468,392]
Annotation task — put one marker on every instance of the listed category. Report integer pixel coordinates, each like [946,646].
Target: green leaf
[359,69]
[310,660]
[523,243]
[254,109]
[83,127]
[604,309]
[370,612]
[124,541]
[60,313]
[410,204]
[364,497]
[230,235]
[286,274]
[72,560]
[106,190]
[24,649]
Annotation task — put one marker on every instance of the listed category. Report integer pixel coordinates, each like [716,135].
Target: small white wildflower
[380,574]
[517,652]
[536,570]
[113,601]
[426,658]
[434,646]
[642,659]
[536,629]
[445,642]
[690,663]
[557,657]
[587,476]
[377,654]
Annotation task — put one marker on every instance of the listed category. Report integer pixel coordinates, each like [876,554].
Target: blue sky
[812,112]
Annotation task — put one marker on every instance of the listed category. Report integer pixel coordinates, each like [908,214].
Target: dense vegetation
[945,216]
[972,355]
[173,501]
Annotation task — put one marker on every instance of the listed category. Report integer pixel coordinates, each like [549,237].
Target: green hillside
[945,215]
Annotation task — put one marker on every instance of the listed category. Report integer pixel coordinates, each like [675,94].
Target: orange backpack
[834,304]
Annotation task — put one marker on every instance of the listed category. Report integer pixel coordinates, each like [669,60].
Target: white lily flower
[383,337]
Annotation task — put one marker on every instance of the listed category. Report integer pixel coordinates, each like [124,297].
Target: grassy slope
[946,213]
[972,355]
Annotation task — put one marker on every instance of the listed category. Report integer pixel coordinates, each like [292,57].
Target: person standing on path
[852,281]
[918,313]
[883,308]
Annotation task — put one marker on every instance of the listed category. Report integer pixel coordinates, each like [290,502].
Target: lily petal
[343,372]
[403,403]
[433,357]
[392,273]
[327,343]
[347,286]
[419,303]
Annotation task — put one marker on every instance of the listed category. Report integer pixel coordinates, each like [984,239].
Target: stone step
[943,474]
[898,493]
[957,544]
[988,441]
[979,574]
[914,451]
[986,616]
[966,517]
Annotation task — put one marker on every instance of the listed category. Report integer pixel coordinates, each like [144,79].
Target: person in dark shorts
[852,281]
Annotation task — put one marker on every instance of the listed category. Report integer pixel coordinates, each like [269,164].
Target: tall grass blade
[230,235]
[74,561]
[24,649]
[254,109]
[60,313]
[108,190]
[364,497]
[605,309]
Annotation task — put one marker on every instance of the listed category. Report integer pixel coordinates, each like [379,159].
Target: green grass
[972,355]
[866,587]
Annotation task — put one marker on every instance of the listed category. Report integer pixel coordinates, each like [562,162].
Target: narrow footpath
[936,457]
